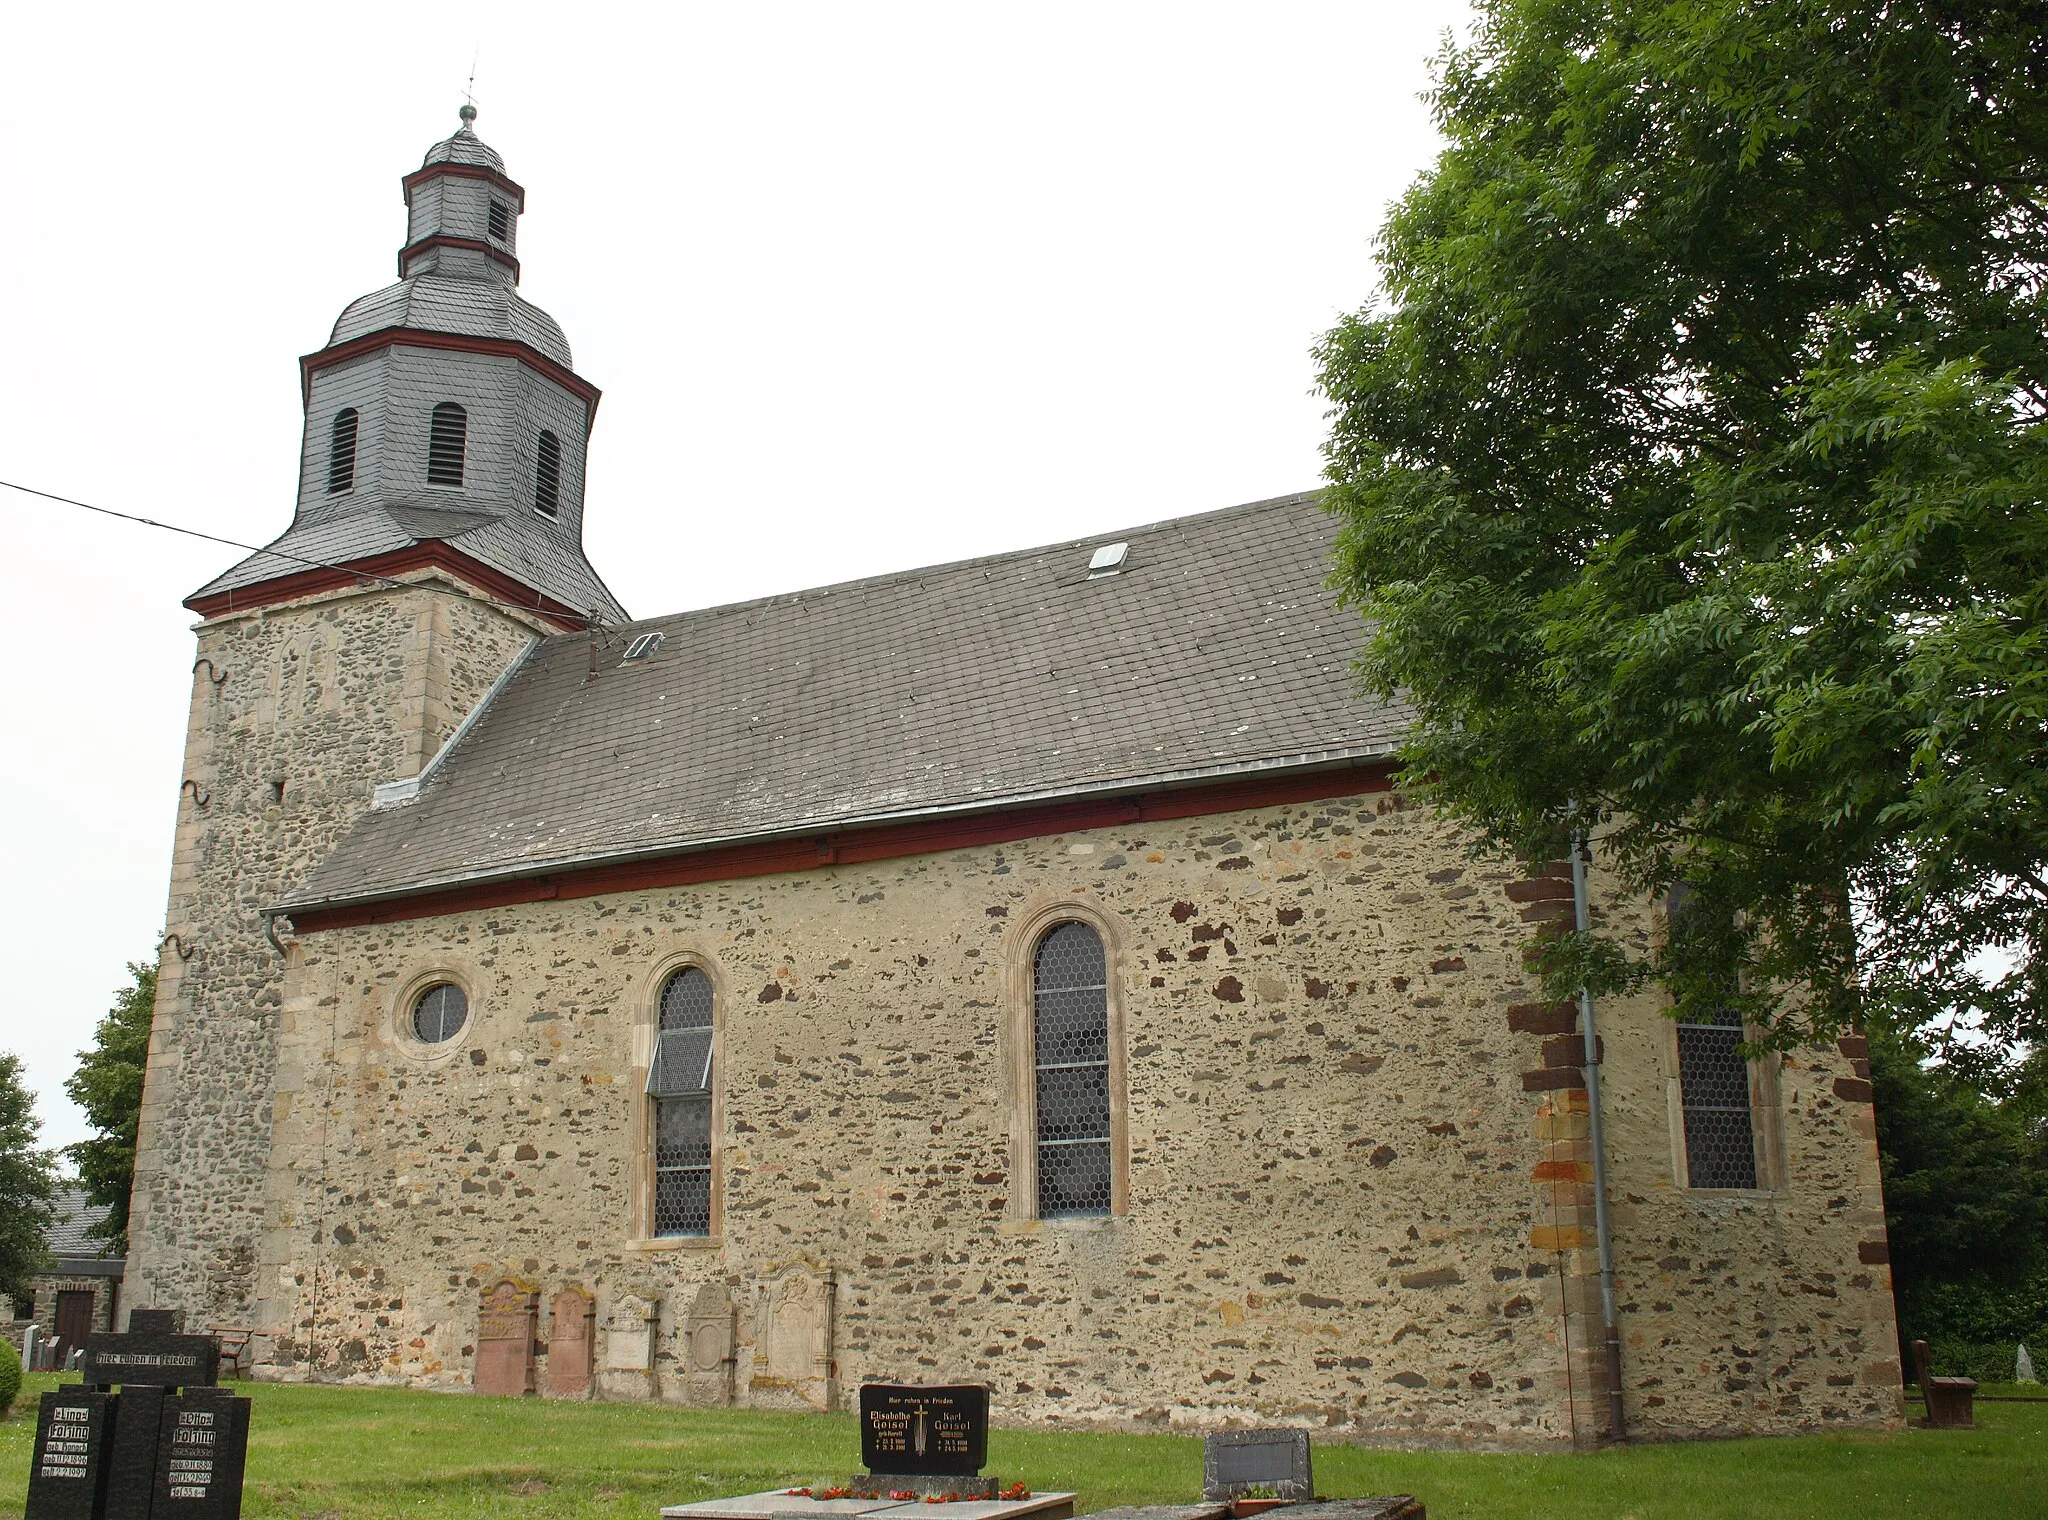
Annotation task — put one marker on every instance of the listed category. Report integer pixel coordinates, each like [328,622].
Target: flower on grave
[1016,1490]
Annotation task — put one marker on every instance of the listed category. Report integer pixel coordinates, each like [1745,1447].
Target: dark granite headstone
[201,1452]
[160,1360]
[131,1453]
[1236,1460]
[912,1429]
[156,1321]
[68,1471]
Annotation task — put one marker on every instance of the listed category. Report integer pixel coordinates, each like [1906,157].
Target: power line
[297,559]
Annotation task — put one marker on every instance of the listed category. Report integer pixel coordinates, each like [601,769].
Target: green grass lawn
[349,1452]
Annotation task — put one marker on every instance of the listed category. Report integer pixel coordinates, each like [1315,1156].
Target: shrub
[10,1377]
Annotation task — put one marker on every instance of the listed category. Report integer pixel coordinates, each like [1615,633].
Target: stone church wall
[1357,1185]
[297,713]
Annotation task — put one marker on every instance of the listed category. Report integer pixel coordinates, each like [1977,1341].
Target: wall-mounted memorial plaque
[201,1452]
[67,1471]
[911,1428]
[1236,1460]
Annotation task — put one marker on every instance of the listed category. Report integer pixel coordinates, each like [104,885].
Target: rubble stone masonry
[297,713]
[1358,1187]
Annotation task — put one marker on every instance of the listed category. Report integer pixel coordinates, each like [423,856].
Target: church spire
[462,212]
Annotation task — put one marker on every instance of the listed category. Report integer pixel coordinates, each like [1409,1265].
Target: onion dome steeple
[445,421]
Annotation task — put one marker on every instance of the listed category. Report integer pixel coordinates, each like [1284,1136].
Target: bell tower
[437,534]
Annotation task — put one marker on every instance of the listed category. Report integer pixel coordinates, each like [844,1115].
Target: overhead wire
[584,620]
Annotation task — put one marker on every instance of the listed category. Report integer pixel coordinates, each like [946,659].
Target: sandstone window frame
[646,1028]
[1766,1119]
[424,978]
[1020,951]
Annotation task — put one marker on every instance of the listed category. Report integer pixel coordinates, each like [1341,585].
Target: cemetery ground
[337,1453]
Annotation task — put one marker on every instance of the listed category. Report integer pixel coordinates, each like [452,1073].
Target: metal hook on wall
[185,952]
[213,672]
[197,800]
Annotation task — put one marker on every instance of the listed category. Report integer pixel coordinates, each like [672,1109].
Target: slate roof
[464,147]
[530,549]
[478,308]
[66,1237]
[994,681]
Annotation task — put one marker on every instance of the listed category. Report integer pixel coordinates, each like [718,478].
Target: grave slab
[1053,1506]
[774,1501]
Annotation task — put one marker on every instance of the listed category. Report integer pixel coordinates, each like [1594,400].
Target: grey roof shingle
[464,147]
[474,308]
[66,1235]
[994,680]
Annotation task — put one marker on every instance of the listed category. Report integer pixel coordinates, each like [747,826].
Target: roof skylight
[644,646]
[1108,560]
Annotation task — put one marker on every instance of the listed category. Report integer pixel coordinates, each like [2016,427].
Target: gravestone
[505,1329]
[628,1370]
[201,1455]
[925,1439]
[572,1336]
[708,1333]
[149,1452]
[793,1367]
[1234,1461]
[67,1474]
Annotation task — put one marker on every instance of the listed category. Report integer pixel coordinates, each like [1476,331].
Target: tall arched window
[679,1085]
[1070,1057]
[341,451]
[445,445]
[547,476]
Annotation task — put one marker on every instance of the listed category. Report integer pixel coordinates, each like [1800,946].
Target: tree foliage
[1693,470]
[108,1086]
[28,1183]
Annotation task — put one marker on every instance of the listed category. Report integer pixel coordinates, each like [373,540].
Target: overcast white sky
[865,285]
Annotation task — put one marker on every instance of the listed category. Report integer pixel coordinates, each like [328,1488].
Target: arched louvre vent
[341,452]
[446,444]
[501,221]
[547,476]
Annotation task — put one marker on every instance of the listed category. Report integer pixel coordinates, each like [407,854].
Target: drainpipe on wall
[1603,1233]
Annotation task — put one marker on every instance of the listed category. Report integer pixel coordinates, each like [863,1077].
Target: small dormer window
[341,452]
[445,445]
[547,476]
[501,221]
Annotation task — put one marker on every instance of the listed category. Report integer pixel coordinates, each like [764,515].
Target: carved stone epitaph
[708,1335]
[67,1471]
[201,1451]
[1236,1460]
[506,1325]
[572,1337]
[628,1370]
[793,1363]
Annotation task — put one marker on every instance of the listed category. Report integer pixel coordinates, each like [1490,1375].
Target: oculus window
[439,1013]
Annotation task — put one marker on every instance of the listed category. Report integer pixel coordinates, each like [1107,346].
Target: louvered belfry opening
[1070,1042]
[547,475]
[501,221]
[446,445]
[341,452]
[679,1083]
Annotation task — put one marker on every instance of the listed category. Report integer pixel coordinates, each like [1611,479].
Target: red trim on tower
[462,171]
[774,857]
[449,240]
[416,337]
[430,554]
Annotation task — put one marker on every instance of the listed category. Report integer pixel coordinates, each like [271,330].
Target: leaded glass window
[1070,1044]
[1713,1084]
[439,1014]
[679,1083]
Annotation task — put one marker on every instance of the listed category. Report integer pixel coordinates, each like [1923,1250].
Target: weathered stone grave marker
[1236,1461]
[925,1439]
[572,1344]
[506,1323]
[149,1452]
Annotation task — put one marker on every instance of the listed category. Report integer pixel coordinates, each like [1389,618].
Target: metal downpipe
[1602,1232]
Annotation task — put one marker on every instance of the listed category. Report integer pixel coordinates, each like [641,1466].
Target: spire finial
[467,113]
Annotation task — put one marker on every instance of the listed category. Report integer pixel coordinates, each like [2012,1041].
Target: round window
[439,1014]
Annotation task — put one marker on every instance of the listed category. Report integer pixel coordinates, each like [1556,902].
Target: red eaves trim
[449,240]
[891,841]
[430,554]
[465,343]
[462,171]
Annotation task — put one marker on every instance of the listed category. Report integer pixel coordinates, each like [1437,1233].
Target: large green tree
[28,1183]
[108,1086]
[1693,466]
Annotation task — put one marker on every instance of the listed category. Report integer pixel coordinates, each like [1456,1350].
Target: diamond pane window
[439,1014]
[679,1082]
[341,452]
[1713,1083]
[446,444]
[1070,1044]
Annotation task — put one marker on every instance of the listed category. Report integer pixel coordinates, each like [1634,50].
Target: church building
[1025,971]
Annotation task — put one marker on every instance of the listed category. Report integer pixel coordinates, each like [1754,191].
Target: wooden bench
[1949,1399]
[234,1343]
